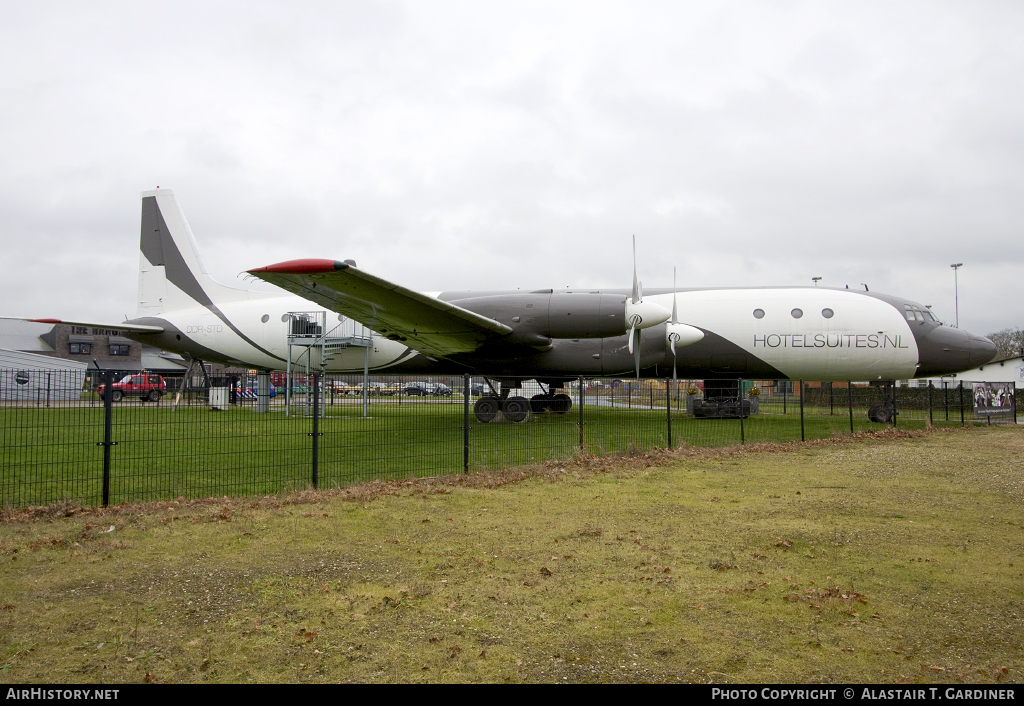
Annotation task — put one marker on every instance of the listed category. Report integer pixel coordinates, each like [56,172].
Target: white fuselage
[864,338]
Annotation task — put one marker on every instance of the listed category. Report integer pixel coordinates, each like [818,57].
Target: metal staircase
[308,330]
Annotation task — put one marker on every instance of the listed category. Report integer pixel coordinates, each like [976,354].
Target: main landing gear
[516,408]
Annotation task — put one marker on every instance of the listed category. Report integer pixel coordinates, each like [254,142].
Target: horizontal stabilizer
[134,328]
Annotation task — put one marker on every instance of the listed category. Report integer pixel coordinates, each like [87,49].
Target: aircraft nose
[982,350]
[942,351]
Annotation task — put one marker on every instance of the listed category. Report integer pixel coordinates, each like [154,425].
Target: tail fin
[172,274]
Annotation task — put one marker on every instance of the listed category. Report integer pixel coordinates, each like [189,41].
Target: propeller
[641,314]
[635,317]
[673,336]
[679,334]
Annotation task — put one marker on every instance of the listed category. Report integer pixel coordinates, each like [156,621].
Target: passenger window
[758,313]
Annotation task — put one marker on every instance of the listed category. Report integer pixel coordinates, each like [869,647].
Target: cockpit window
[915,313]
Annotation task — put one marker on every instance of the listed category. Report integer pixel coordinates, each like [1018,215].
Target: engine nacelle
[537,317]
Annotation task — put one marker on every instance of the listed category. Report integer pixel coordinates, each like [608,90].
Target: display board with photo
[993,398]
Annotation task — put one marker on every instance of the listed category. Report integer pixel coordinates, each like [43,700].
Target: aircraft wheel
[539,404]
[154,396]
[486,409]
[880,413]
[116,396]
[516,409]
[562,403]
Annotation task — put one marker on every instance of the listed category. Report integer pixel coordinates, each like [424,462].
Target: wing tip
[308,266]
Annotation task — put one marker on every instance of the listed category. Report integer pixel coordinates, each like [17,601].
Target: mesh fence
[198,442]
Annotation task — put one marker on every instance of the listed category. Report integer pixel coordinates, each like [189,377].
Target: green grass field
[892,559]
[53,455]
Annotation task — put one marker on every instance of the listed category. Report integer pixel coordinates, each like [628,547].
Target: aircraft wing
[131,328]
[424,323]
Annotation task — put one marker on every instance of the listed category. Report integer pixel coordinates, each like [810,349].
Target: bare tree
[1009,342]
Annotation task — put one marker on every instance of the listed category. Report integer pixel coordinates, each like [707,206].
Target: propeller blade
[636,354]
[672,338]
[672,344]
[637,296]
[675,317]
[632,329]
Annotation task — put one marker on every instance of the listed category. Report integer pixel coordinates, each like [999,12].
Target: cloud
[454,145]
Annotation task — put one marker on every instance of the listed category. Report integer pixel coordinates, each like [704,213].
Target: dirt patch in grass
[889,557]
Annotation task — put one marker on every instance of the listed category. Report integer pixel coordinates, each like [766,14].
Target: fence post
[465,422]
[108,394]
[581,414]
[962,422]
[668,411]
[945,397]
[849,395]
[895,409]
[931,419]
[316,428]
[802,411]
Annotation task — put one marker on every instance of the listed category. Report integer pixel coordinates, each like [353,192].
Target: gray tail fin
[172,274]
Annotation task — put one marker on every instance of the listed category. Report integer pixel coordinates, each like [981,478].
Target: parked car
[373,389]
[424,389]
[145,386]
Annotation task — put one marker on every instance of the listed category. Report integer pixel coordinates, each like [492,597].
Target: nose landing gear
[886,411]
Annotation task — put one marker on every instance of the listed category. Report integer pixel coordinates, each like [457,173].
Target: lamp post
[956,292]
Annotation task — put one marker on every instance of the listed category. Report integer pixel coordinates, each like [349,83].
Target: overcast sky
[447,145]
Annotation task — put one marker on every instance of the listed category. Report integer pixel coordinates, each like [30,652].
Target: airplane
[719,334]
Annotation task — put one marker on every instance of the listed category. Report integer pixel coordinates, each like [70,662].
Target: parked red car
[145,386]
